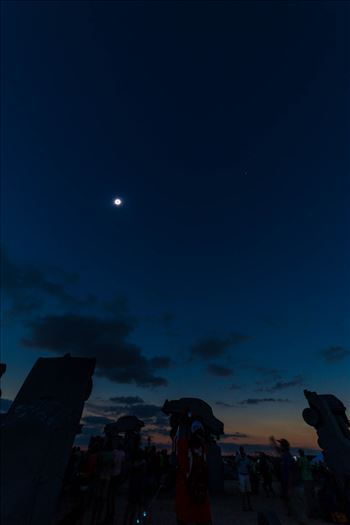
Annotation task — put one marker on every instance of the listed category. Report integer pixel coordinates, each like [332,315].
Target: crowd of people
[308,489]
[94,479]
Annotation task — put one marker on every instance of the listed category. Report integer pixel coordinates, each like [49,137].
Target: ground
[226,509]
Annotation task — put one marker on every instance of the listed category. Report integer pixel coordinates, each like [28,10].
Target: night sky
[224,127]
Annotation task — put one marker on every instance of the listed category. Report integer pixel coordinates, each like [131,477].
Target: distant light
[145,513]
[118,202]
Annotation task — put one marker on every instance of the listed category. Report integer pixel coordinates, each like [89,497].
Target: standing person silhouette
[292,490]
[117,468]
[136,492]
[307,480]
[244,466]
[192,497]
[266,474]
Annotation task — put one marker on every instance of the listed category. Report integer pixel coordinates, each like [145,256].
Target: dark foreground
[226,509]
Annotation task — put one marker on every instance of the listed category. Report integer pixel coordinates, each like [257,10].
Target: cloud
[221,371]
[334,353]
[223,404]
[256,401]
[160,362]
[142,375]
[281,385]
[147,412]
[161,430]
[265,371]
[234,386]
[127,400]
[107,410]
[167,319]
[27,288]
[103,338]
[167,322]
[213,347]
[210,348]
[118,306]
[235,435]
[162,419]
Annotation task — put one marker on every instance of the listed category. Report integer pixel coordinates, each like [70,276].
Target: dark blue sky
[225,129]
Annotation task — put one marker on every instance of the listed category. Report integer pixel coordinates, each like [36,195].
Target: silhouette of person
[244,466]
